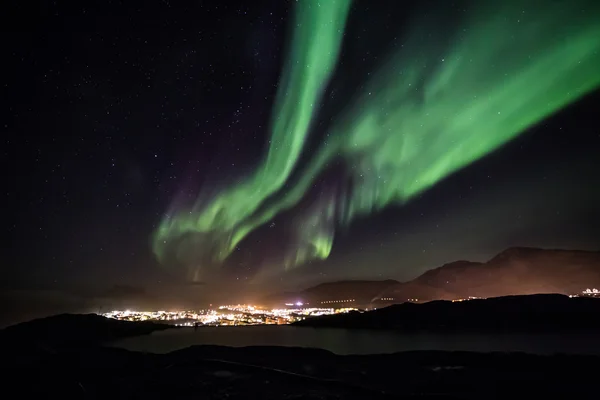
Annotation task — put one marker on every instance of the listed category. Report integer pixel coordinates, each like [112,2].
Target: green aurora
[441,101]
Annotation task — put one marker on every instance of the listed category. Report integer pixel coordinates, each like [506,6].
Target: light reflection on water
[344,341]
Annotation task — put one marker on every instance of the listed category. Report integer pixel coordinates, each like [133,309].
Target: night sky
[124,120]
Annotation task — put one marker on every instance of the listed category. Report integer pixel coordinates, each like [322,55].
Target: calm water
[343,341]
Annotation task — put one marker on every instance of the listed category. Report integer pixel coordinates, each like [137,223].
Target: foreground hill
[515,271]
[211,372]
[534,313]
[69,330]
[214,372]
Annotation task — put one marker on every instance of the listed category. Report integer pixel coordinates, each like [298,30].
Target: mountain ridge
[516,270]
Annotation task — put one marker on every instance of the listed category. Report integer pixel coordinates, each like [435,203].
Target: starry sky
[228,144]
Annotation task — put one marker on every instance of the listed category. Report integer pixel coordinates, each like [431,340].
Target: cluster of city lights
[468,298]
[240,314]
[588,293]
[243,314]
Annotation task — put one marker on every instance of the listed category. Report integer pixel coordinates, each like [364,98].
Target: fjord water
[347,341]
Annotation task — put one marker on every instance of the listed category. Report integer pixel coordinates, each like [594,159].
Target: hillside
[532,313]
[515,271]
[67,330]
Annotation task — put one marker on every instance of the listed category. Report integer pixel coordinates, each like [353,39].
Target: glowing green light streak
[501,78]
[309,66]
[425,114]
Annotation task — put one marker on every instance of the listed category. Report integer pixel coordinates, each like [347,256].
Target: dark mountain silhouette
[515,271]
[65,330]
[532,313]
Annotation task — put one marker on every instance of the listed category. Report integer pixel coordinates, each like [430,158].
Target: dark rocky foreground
[47,364]
[292,373]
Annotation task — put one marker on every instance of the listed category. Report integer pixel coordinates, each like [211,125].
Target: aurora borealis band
[442,99]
